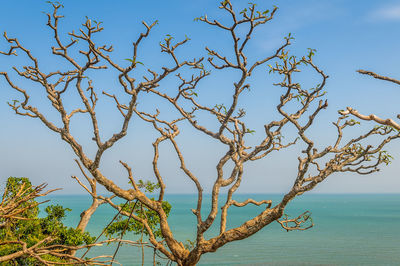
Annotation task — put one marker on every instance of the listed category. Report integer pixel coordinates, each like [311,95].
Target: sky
[348,35]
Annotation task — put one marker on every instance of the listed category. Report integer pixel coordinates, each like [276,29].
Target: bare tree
[298,107]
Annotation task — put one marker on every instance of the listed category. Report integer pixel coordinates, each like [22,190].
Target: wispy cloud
[391,12]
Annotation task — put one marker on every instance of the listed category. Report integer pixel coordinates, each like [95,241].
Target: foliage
[124,223]
[31,229]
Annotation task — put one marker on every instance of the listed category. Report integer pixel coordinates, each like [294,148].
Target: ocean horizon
[350,229]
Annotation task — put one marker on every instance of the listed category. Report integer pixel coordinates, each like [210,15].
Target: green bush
[31,229]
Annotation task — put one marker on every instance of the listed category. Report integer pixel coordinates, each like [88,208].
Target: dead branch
[12,208]
[297,223]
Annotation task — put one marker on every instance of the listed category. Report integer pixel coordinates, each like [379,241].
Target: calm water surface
[349,230]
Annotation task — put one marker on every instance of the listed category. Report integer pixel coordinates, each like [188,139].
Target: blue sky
[348,35]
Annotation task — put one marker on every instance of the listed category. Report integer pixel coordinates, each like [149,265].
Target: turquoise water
[349,230]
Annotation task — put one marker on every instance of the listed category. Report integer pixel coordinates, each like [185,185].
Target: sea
[362,229]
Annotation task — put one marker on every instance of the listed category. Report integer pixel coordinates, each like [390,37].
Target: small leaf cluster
[221,107]
[384,129]
[148,185]
[167,41]
[189,245]
[352,122]
[134,62]
[124,224]
[250,131]
[55,3]
[385,157]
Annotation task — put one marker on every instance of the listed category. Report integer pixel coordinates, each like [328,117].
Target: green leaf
[250,131]
[134,62]
[265,12]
